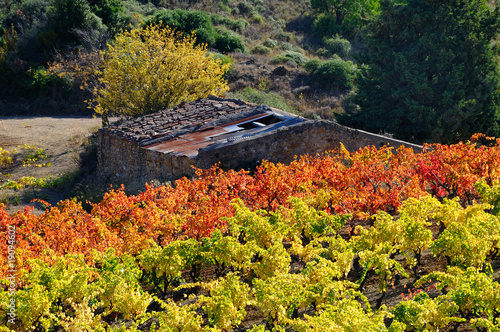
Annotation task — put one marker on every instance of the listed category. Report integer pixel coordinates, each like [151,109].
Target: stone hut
[165,145]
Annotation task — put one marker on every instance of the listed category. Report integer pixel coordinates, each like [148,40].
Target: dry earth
[60,137]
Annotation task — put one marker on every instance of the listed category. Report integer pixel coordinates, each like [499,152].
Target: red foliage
[358,183]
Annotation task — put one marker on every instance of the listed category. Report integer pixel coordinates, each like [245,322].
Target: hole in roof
[262,122]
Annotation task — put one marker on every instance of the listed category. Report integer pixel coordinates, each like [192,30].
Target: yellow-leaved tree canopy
[153,68]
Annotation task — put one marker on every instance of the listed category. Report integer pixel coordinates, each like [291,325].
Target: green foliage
[226,304]
[229,41]
[471,234]
[422,312]
[188,21]
[68,15]
[111,12]
[118,285]
[9,48]
[271,43]
[325,25]
[337,16]
[474,292]
[261,49]
[169,262]
[296,57]
[334,73]
[313,64]
[41,81]
[338,45]
[490,195]
[438,81]
[236,25]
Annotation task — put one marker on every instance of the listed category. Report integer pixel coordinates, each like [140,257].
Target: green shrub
[67,15]
[312,64]
[296,57]
[256,17]
[40,81]
[335,73]
[270,43]
[194,20]
[236,25]
[229,41]
[261,49]
[111,13]
[323,52]
[244,8]
[286,46]
[338,45]
[325,26]
[224,8]
[188,21]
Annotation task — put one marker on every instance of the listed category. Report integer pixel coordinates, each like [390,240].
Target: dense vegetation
[325,242]
[432,71]
[424,71]
[373,240]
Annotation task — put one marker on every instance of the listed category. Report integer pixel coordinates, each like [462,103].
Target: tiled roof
[212,121]
[186,117]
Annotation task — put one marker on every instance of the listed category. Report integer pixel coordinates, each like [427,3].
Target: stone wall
[125,161]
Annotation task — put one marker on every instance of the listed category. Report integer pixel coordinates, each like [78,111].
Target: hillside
[369,240]
[269,29]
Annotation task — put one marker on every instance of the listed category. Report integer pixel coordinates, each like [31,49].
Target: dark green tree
[431,72]
[111,12]
[342,15]
[68,16]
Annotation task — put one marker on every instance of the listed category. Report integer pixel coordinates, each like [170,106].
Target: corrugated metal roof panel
[189,144]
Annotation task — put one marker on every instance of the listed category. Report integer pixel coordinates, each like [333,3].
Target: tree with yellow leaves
[150,69]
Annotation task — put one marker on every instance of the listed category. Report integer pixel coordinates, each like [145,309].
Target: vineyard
[372,240]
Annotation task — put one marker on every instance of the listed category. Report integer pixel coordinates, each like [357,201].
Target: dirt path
[60,137]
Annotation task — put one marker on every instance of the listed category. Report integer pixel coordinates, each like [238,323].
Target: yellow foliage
[150,69]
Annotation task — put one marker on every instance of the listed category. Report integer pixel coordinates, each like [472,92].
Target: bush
[325,26]
[313,64]
[68,15]
[42,81]
[194,20]
[25,15]
[229,41]
[256,17]
[244,8]
[111,13]
[188,21]
[236,25]
[270,43]
[261,49]
[296,57]
[338,45]
[322,52]
[172,70]
[335,73]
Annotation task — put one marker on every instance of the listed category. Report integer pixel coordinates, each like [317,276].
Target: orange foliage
[358,183]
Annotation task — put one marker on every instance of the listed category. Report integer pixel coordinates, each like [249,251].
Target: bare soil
[62,138]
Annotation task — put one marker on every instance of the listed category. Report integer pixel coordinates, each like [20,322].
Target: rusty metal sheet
[189,144]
